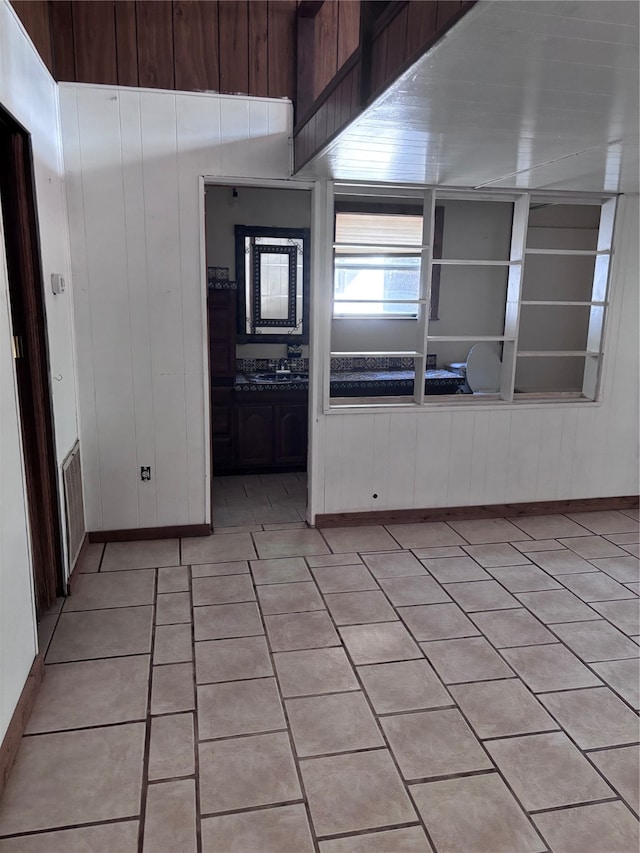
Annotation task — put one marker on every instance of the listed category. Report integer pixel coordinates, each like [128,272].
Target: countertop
[350,380]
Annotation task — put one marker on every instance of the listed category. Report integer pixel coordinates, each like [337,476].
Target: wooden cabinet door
[255,436]
[221,306]
[291,434]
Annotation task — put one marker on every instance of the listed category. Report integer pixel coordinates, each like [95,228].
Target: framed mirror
[272,270]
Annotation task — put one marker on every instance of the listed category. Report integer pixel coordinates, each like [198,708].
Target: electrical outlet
[145,473]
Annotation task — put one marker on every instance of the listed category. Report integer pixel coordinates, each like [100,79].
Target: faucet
[282,368]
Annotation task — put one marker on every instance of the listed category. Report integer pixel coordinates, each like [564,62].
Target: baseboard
[150,533]
[460,513]
[19,720]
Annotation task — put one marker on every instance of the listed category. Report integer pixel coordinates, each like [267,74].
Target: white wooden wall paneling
[496,466]
[88,421]
[196,128]
[99,133]
[549,455]
[478,473]
[460,456]
[139,302]
[382,439]
[402,468]
[134,159]
[334,462]
[522,456]
[621,382]
[162,218]
[432,459]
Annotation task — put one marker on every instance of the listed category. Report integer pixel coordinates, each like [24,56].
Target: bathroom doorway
[258,272]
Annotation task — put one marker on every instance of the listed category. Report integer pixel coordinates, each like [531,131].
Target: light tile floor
[425,687]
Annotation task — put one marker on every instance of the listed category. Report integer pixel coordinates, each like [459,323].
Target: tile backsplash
[248,365]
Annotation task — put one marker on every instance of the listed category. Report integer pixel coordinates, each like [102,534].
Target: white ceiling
[539,94]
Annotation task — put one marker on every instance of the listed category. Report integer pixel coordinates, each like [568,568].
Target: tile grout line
[147,738]
[195,717]
[472,728]
[285,713]
[562,728]
[380,727]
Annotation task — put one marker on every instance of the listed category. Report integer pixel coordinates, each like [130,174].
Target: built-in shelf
[557,354]
[459,262]
[553,302]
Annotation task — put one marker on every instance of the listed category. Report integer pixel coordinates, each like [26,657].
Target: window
[377,264]
[416,290]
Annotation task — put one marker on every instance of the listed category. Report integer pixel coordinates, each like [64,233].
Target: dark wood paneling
[446,9]
[348,29]
[304,65]
[234,46]
[126,43]
[258,50]
[388,43]
[396,43]
[195,40]
[325,51]
[408,516]
[34,15]
[64,64]
[281,45]
[94,41]
[379,61]
[421,25]
[154,22]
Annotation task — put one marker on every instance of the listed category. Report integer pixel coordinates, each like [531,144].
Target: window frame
[251,231]
[591,393]
[395,209]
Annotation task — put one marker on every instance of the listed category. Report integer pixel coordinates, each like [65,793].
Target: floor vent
[74,505]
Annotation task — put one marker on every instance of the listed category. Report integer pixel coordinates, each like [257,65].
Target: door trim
[28,321]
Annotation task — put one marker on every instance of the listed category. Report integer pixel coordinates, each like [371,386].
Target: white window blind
[378,229]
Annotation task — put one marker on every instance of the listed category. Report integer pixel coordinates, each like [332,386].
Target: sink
[277,378]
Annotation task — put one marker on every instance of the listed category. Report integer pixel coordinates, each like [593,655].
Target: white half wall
[133,161]
[29,93]
[473,455]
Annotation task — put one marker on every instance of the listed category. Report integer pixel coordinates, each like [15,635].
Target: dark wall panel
[281,44]
[421,25]
[154,20]
[94,41]
[396,42]
[348,29]
[195,40]
[258,51]
[325,52]
[231,46]
[126,43]
[234,46]
[34,15]
[64,63]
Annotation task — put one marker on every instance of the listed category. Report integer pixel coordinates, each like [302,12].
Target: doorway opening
[26,296]
[258,269]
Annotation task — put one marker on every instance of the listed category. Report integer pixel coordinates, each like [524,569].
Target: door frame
[25,284]
[314,363]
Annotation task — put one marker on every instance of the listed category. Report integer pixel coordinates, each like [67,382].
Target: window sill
[366,406]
